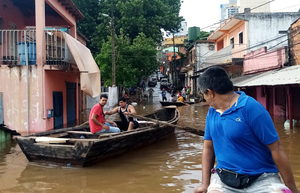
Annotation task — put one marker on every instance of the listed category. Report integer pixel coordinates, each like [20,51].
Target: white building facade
[264,5]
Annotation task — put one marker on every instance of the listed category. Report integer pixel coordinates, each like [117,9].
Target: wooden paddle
[187,129]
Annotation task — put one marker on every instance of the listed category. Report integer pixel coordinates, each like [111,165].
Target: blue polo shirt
[240,137]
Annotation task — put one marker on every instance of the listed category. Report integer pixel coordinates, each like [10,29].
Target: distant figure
[126,123]
[171,99]
[150,91]
[163,94]
[183,93]
[188,92]
[140,93]
[180,98]
[97,121]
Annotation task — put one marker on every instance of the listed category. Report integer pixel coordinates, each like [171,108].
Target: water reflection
[162,167]
[172,165]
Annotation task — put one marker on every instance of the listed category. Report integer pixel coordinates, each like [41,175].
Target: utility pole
[113,65]
[174,60]
[113,53]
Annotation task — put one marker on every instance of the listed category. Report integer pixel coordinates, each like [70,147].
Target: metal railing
[14,44]
[17,45]
[57,52]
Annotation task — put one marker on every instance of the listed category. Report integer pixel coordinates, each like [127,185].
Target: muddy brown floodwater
[171,165]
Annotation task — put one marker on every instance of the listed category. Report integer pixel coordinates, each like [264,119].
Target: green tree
[133,60]
[130,16]
[137,25]
[204,35]
[149,17]
[90,9]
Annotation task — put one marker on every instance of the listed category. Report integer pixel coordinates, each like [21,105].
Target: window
[1,27]
[211,47]
[232,42]
[241,40]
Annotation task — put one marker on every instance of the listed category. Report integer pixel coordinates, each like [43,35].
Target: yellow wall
[178,40]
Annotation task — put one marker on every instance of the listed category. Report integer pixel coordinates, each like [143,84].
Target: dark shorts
[123,126]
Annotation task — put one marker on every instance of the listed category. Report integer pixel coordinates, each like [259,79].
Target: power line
[244,12]
[258,55]
[256,45]
[286,7]
[262,4]
[242,59]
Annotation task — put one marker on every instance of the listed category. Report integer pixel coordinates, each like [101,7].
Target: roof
[27,7]
[204,42]
[72,8]
[83,36]
[295,22]
[282,76]
[223,28]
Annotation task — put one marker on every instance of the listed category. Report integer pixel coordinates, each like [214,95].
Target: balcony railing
[222,56]
[57,52]
[19,46]
[225,55]
[14,44]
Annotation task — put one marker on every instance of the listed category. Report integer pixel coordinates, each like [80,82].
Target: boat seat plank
[51,140]
[81,132]
[90,133]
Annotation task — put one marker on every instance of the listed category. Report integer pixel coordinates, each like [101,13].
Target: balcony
[232,54]
[18,47]
[13,46]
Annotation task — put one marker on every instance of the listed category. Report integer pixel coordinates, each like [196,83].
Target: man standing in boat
[240,134]
[126,123]
[97,121]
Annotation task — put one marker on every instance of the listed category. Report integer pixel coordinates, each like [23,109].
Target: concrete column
[73,32]
[40,32]
[289,93]
[40,24]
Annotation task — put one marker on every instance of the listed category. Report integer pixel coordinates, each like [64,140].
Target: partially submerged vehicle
[76,146]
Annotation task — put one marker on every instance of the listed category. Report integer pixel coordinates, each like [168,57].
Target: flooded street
[172,165]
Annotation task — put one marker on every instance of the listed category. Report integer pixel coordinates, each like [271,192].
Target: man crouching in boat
[97,121]
[126,123]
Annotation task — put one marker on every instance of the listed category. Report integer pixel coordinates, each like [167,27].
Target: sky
[203,13]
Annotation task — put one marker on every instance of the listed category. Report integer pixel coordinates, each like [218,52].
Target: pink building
[253,50]
[255,35]
[43,67]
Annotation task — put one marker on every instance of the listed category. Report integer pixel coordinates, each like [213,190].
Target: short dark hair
[216,79]
[122,99]
[103,96]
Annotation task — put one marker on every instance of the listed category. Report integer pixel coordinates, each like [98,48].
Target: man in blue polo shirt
[240,134]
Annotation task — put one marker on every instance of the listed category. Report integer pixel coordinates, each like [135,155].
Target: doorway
[71,104]
[58,110]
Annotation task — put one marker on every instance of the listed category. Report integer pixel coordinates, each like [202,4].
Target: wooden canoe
[77,146]
[168,103]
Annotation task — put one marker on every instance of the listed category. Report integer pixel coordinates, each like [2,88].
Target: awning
[89,71]
[283,76]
